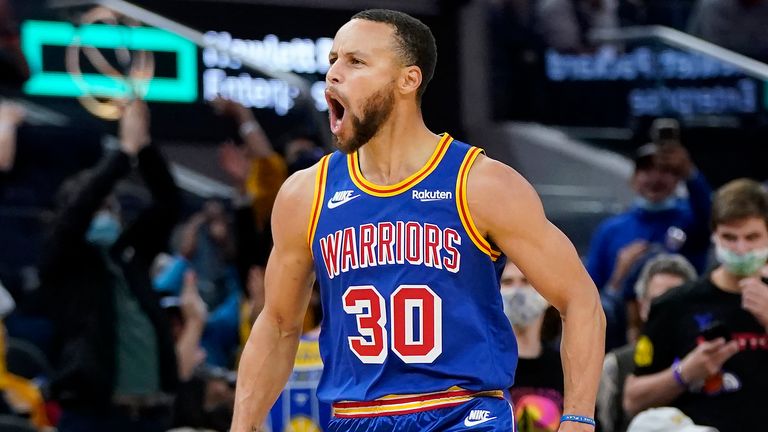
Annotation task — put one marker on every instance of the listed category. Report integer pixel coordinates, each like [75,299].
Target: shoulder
[488,177]
[500,199]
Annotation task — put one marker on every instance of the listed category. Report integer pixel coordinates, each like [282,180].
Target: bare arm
[268,356]
[508,210]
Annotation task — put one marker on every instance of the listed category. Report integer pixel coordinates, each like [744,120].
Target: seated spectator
[644,229]
[665,420]
[659,275]
[538,391]
[116,367]
[738,25]
[701,348]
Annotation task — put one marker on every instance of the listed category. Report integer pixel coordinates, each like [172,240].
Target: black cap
[644,156]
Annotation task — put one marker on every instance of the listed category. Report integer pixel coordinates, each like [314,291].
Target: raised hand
[134,127]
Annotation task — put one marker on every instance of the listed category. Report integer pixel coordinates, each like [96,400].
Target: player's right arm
[268,356]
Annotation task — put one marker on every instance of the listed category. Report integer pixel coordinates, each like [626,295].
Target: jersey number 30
[416,314]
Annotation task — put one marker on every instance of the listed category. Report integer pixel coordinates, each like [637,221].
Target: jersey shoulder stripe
[462,206]
[317,202]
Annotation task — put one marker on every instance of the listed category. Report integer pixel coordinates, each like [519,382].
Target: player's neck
[401,148]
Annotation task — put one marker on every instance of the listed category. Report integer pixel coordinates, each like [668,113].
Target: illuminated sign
[35,35]
[223,74]
[659,80]
[302,56]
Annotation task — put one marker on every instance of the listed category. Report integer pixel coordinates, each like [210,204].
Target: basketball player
[407,233]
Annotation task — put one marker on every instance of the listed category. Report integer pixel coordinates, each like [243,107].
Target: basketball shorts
[480,414]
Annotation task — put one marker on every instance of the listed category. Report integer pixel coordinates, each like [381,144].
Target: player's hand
[754,298]
[134,127]
[707,359]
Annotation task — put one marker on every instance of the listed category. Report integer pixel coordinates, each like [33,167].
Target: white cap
[665,419]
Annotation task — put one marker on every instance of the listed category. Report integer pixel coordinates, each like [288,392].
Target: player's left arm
[508,211]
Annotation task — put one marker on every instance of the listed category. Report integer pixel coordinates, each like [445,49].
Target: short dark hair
[739,199]
[415,42]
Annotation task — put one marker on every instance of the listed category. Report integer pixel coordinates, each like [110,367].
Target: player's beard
[376,111]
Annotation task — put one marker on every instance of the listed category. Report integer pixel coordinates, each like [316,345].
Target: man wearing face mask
[538,391]
[705,345]
[622,242]
[659,167]
[114,356]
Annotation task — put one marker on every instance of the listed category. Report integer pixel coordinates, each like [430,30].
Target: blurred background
[564,91]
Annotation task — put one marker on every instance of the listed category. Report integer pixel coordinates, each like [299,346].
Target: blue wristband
[578,419]
[677,369]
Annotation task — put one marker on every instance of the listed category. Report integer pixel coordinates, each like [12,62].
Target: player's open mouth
[336,112]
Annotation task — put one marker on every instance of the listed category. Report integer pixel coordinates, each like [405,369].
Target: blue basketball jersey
[409,287]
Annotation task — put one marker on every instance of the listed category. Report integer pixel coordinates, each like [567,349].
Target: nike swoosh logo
[333,204]
[470,423]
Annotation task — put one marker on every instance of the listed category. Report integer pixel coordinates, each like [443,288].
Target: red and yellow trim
[407,404]
[317,201]
[353,163]
[462,205]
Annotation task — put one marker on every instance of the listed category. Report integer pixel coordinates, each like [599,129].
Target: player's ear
[410,80]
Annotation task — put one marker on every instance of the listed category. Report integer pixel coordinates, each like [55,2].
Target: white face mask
[523,305]
[745,264]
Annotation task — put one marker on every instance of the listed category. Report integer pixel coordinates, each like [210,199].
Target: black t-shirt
[731,401]
[538,392]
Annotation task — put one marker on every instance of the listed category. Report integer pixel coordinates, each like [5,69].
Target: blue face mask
[645,204]
[104,229]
